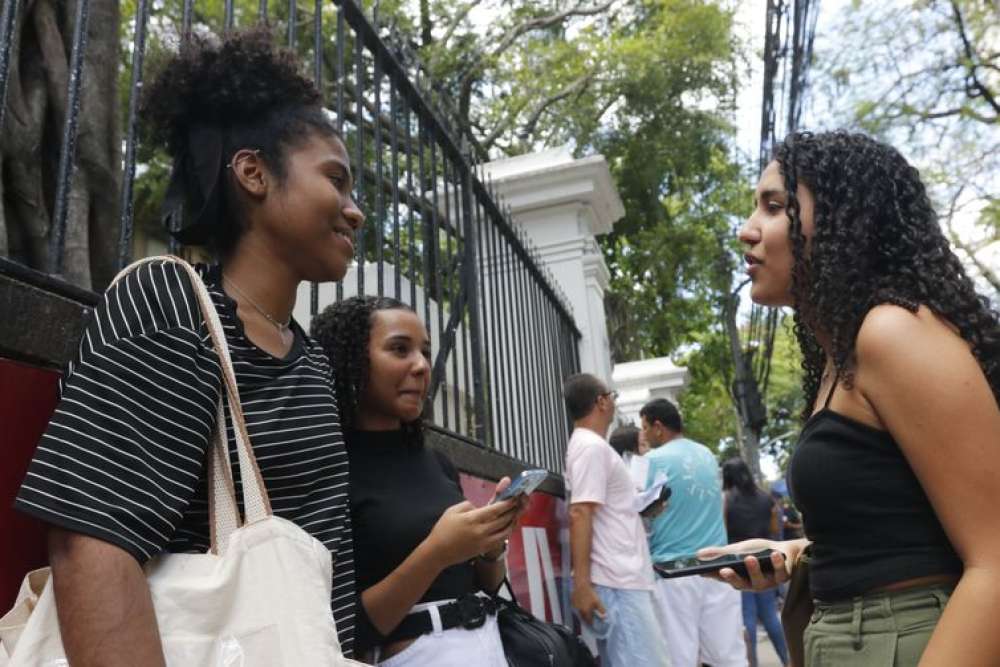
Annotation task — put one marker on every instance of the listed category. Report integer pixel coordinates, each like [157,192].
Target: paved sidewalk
[766,657]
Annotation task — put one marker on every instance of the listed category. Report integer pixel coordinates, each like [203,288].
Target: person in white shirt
[612,572]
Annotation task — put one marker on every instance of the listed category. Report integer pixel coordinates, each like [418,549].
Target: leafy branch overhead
[925,75]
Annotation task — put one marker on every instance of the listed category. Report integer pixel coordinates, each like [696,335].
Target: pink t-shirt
[595,473]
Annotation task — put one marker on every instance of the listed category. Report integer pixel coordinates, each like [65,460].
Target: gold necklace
[281,326]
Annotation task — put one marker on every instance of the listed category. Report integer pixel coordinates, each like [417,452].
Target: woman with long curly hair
[264,182]
[895,471]
[422,552]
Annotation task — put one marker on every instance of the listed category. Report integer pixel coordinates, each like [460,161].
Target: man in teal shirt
[703,617]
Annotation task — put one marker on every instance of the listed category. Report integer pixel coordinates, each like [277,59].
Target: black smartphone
[690,565]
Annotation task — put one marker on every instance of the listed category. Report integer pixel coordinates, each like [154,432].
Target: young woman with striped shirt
[264,181]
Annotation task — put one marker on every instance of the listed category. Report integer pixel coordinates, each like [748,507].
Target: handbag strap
[510,589]
[224,516]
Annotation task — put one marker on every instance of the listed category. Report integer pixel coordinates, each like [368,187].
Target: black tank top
[870,522]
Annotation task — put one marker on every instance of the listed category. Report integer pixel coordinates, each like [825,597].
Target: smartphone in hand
[690,565]
[524,484]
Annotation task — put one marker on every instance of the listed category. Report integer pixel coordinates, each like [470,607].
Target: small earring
[230,165]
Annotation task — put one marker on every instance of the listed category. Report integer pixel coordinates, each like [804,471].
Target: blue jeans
[630,634]
[763,606]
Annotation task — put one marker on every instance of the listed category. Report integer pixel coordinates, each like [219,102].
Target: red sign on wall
[28,397]
[538,553]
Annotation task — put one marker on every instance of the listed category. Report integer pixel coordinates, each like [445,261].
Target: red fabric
[28,397]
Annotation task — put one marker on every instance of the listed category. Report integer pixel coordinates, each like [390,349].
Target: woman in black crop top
[896,472]
[416,540]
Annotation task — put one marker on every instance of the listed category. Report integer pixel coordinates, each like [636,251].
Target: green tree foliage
[925,75]
[709,413]
[648,84]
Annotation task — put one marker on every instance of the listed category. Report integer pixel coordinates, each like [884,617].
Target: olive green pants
[877,630]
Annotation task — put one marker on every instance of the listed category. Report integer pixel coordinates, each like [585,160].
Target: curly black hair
[245,89]
[343,330]
[877,240]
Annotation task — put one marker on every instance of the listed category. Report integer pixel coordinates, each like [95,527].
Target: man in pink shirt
[612,573]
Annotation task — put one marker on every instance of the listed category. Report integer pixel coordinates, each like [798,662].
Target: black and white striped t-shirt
[123,456]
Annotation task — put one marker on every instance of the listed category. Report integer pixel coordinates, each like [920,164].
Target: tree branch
[464,12]
[537,23]
[970,54]
[576,86]
[968,250]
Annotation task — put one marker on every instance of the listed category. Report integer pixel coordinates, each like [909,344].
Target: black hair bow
[192,206]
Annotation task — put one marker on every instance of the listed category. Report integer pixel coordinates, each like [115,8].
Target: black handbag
[529,642]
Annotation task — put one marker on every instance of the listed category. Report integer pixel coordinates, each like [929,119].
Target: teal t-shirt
[693,518]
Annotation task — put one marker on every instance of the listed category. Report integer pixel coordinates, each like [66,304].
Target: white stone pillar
[639,382]
[564,203]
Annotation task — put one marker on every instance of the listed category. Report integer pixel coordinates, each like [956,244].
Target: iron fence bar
[425,230]
[517,388]
[262,11]
[341,38]
[447,337]
[562,344]
[379,175]
[453,274]
[394,150]
[292,23]
[8,21]
[551,410]
[550,378]
[67,155]
[318,80]
[473,328]
[555,375]
[487,377]
[525,384]
[127,204]
[436,277]
[543,388]
[359,180]
[227,15]
[528,349]
[187,18]
[497,319]
[516,431]
[409,210]
[176,221]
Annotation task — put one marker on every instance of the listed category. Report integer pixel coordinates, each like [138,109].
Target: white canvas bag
[259,598]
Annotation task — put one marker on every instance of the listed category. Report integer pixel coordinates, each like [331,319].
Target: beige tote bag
[259,598]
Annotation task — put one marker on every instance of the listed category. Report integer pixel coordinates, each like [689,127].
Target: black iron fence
[438,236]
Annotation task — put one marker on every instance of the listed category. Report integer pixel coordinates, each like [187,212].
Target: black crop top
[870,522]
[398,492]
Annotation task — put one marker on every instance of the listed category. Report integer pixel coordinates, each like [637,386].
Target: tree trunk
[31,141]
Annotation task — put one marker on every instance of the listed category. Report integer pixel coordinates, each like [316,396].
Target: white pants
[455,647]
[704,622]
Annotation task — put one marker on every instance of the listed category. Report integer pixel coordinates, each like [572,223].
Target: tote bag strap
[224,516]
